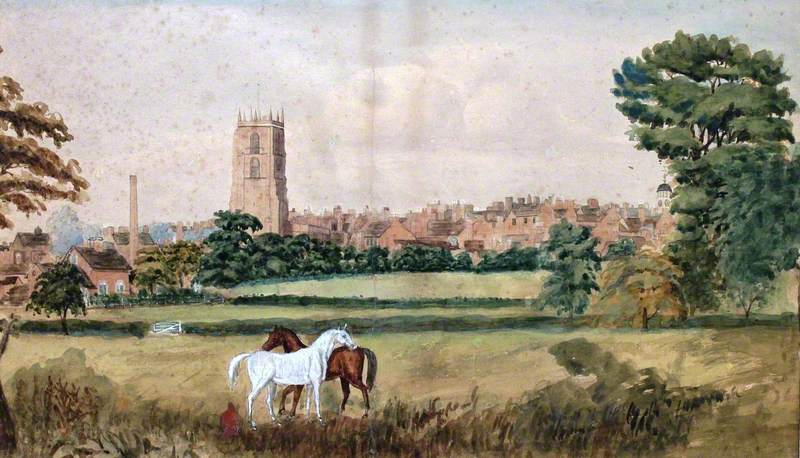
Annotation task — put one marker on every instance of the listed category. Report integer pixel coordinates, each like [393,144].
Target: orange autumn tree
[31,173]
[638,288]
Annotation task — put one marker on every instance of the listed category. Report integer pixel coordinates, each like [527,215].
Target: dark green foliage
[620,248]
[58,290]
[573,264]
[231,250]
[511,260]
[689,95]
[87,327]
[416,258]
[235,256]
[698,101]
[756,222]
[701,281]
[463,262]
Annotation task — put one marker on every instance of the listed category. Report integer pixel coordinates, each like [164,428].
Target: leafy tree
[229,260]
[271,256]
[463,262]
[151,269]
[32,172]
[58,290]
[573,263]
[375,260]
[755,221]
[620,248]
[511,260]
[688,98]
[182,260]
[417,258]
[635,289]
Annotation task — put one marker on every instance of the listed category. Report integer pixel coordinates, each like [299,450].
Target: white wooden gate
[167,328]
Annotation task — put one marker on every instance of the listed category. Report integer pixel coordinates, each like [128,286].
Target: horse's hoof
[366,415]
[253,428]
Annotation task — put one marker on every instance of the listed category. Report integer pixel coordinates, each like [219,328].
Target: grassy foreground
[755,366]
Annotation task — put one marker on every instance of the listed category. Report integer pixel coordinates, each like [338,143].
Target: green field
[404,285]
[756,365]
[189,371]
[213,313]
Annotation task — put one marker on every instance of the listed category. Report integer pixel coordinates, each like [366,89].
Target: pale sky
[395,104]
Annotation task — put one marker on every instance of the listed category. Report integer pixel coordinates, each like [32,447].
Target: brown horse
[345,364]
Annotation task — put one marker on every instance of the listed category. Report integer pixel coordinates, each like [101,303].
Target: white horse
[306,366]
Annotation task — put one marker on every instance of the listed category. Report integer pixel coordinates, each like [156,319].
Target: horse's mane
[292,334]
[324,334]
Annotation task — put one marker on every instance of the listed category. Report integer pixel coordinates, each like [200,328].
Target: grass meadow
[406,285]
[188,372]
[438,393]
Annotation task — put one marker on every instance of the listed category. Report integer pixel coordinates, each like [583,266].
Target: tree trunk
[64,323]
[644,318]
[8,436]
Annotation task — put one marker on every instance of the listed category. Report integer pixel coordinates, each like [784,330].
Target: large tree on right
[695,101]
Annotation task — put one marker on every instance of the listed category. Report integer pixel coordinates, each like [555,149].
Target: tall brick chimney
[133,228]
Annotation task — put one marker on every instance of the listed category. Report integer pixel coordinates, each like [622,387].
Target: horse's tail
[233,369]
[372,370]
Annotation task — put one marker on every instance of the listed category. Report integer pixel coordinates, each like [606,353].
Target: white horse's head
[341,336]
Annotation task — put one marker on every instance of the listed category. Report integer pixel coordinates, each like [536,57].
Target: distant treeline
[235,256]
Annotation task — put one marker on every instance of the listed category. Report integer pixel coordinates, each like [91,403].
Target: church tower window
[255,168]
[255,143]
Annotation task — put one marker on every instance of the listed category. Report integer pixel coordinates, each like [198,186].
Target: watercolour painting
[406,228]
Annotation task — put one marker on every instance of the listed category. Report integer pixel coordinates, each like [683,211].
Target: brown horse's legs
[285,393]
[364,392]
[345,393]
[298,390]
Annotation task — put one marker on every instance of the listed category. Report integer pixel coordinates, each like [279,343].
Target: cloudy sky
[392,104]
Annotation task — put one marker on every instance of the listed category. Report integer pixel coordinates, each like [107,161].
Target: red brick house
[387,234]
[105,268]
[19,263]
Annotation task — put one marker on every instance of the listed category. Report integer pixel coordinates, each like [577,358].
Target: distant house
[122,240]
[387,234]
[27,248]
[105,268]
[19,262]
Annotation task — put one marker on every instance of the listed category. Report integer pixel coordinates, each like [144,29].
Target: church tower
[259,171]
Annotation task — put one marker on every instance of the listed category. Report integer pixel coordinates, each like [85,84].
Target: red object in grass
[230,422]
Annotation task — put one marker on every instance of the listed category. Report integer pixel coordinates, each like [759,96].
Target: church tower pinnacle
[259,171]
